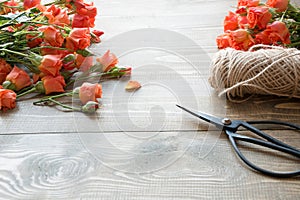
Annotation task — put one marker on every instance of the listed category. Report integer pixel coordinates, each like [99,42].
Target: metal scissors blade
[206,117]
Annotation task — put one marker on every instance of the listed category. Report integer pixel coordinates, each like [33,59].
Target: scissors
[230,127]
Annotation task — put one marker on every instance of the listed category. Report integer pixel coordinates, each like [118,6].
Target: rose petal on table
[132,85]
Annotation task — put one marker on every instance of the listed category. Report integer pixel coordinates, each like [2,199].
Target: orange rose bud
[5,68]
[82,21]
[259,16]
[53,84]
[90,92]
[7,99]
[52,36]
[51,64]
[84,63]
[224,41]
[278,32]
[108,61]
[79,38]
[56,15]
[231,22]
[248,3]
[18,78]
[30,3]
[132,85]
[281,5]
[87,9]
[241,39]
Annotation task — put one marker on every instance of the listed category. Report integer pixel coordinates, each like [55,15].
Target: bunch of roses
[43,46]
[275,22]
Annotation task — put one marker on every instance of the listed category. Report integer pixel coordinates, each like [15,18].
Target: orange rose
[52,36]
[79,38]
[281,5]
[231,22]
[224,41]
[10,7]
[53,84]
[248,3]
[243,21]
[278,32]
[7,99]
[56,16]
[241,39]
[5,68]
[30,3]
[50,64]
[259,16]
[108,61]
[90,92]
[262,38]
[87,9]
[19,78]
[82,21]
[32,41]
[84,63]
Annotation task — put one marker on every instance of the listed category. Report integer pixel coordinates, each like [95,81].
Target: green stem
[85,77]
[64,105]
[46,23]
[294,44]
[48,47]
[47,98]
[27,92]
[14,52]
[58,2]
[283,15]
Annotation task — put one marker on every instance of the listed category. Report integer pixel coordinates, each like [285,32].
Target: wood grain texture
[59,167]
[139,145]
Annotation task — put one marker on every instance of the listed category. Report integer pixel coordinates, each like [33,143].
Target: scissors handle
[248,125]
[270,143]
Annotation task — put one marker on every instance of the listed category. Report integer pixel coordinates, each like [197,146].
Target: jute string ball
[264,70]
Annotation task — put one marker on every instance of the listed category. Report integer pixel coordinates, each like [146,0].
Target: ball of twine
[266,70]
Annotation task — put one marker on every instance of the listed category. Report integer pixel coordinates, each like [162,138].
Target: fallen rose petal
[132,85]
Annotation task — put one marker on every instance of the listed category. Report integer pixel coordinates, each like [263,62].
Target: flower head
[278,32]
[50,65]
[241,39]
[79,38]
[224,41]
[84,63]
[18,79]
[56,15]
[248,3]
[30,3]
[259,16]
[5,68]
[53,84]
[90,92]
[7,99]
[52,36]
[280,5]
[231,22]
[108,61]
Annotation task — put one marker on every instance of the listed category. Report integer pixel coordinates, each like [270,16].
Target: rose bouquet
[44,49]
[276,22]
[259,51]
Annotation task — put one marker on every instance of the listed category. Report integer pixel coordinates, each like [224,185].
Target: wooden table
[139,145]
